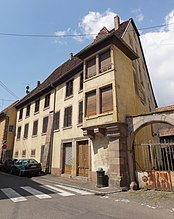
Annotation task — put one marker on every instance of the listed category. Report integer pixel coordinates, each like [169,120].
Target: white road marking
[57,190]
[82,192]
[13,195]
[35,192]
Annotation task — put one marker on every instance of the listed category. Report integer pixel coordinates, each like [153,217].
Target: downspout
[52,132]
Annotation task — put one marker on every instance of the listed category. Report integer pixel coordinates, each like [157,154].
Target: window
[19,133]
[105,61]
[28,110]
[45,124]
[69,88]
[26,130]
[47,100]
[80,118]
[33,152]
[91,68]
[11,128]
[23,153]
[37,104]
[81,81]
[91,103]
[68,117]
[20,113]
[35,127]
[16,153]
[56,120]
[106,99]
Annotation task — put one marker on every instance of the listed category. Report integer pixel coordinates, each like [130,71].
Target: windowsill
[80,91]
[27,116]
[99,115]
[25,138]
[69,127]
[19,120]
[43,134]
[18,139]
[99,74]
[34,136]
[69,97]
[35,113]
[80,124]
[57,130]
[46,108]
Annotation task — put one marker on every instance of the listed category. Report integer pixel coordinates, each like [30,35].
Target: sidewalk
[156,199]
[80,183]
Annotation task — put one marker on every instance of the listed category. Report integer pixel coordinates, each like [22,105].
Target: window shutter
[106,99]
[91,104]
[105,61]
[91,68]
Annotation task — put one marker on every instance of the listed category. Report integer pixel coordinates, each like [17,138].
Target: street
[22,197]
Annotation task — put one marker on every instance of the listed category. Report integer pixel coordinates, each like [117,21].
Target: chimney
[38,83]
[27,89]
[71,56]
[116,22]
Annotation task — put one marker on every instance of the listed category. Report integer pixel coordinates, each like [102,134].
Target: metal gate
[154,164]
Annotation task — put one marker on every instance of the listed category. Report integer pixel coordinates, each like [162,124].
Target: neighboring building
[7,131]
[75,121]
[166,131]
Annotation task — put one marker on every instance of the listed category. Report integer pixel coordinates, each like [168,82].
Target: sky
[26,58]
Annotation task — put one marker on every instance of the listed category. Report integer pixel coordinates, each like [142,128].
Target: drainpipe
[52,132]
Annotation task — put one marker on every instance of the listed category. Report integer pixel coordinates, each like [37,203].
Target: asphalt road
[22,197]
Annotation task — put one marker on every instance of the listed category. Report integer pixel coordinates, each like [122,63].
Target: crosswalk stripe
[57,190]
[35,192]
[13,195]
[82,192]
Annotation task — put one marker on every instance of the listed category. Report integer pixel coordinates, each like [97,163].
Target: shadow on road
[16,182]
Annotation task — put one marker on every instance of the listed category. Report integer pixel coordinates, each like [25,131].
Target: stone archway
[135,123]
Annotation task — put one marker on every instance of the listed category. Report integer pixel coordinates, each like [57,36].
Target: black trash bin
[100,178]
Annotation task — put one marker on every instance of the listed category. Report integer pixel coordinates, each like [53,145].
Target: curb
[95,192]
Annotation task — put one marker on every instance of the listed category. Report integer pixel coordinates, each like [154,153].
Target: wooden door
[67,154]
[82,159]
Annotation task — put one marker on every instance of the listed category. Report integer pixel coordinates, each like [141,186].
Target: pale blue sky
[25,60]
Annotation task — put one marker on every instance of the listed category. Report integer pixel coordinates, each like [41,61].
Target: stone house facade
[75,121]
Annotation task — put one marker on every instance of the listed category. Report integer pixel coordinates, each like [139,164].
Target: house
[7,131]
[75,121]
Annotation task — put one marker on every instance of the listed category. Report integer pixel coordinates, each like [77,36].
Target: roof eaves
[45,89]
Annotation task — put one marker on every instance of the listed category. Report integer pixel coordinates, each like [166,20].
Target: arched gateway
[135,123]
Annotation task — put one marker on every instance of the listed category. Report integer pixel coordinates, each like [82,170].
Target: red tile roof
[166,132]
[166,108]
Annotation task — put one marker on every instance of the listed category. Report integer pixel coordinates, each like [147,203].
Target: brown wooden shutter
[91,68]
[91,103]
[106,95]
[105,61]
